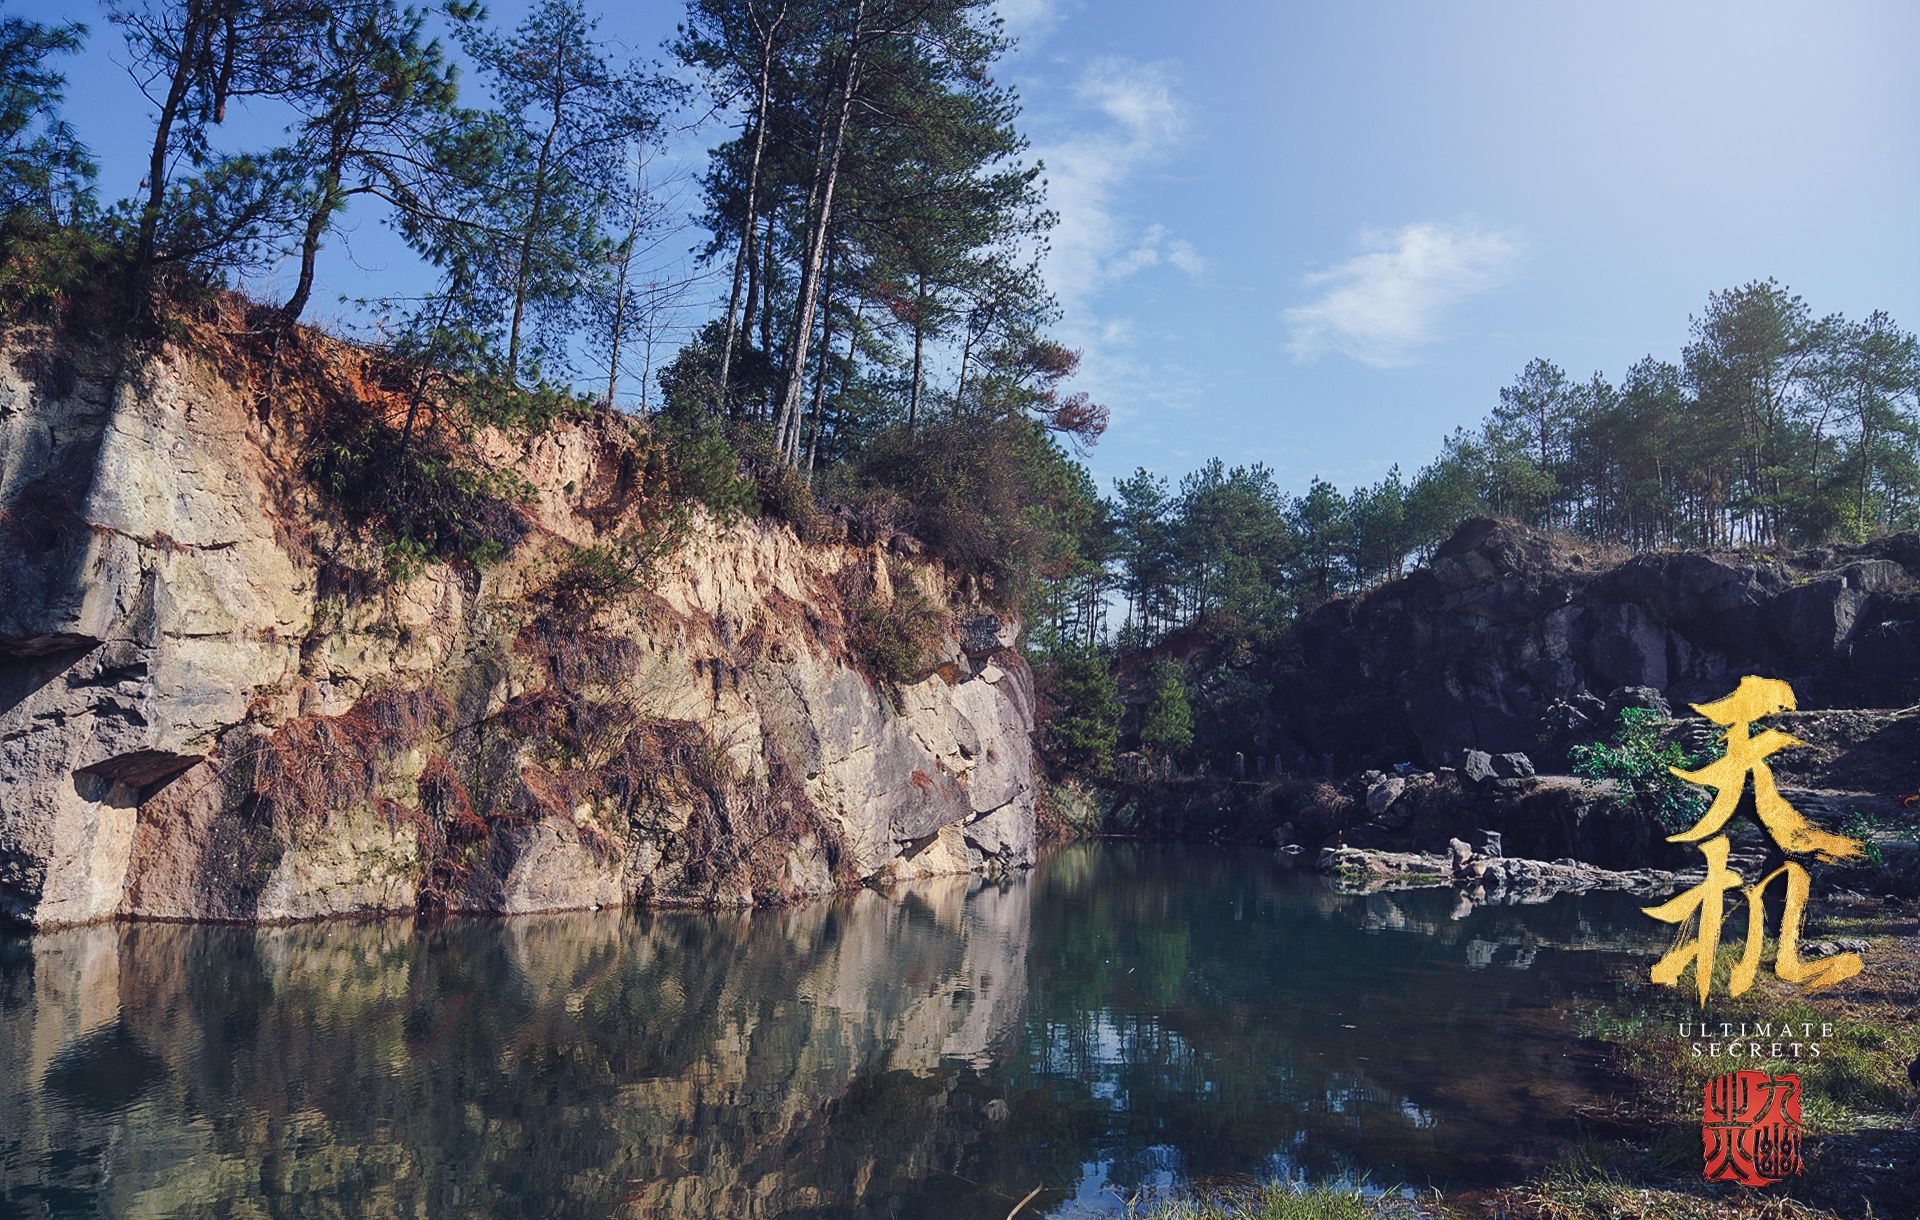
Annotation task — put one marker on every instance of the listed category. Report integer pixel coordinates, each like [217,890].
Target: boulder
[1383,794]
[1476,767]
[1460,853]
[1513,766]
[1563,719]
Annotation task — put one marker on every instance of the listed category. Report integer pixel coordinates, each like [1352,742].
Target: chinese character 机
[1746,755]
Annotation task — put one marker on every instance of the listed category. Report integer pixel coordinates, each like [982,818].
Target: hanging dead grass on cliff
[314,767]
[449,830]
[574,660]
[721,832]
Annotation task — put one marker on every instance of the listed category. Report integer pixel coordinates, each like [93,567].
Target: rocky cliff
[1474,650]
[215,704]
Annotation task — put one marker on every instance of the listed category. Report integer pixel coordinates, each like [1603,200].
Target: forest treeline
[873,329]
[1773,428]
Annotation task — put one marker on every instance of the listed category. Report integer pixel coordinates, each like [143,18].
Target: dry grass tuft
[313,766]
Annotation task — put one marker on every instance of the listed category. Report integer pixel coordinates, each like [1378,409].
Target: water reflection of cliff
[1118,1017]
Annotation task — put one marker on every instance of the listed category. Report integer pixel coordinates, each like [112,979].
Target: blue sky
[1321,235]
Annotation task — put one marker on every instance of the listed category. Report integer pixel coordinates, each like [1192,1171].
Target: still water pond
[1122,1016]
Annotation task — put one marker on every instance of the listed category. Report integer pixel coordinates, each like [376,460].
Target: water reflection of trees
[936,1052]
[1222,1019]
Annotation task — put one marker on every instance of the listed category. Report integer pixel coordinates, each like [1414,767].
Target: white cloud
[1151,250]
[1381,305]
[1145,253]
[1104,133]
[1180,253]
[1137,96]
[1137,117]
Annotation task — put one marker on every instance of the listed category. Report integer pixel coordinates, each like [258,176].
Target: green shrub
[598,575]
[703,466]
[47,269]
[1864,825]
[786,496]
[997,498]
[426,502]
[893,639]
[1639,757]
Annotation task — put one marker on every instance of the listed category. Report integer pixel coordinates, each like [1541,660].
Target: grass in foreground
[1860,1078]
[1585,1191]
[1280,1201]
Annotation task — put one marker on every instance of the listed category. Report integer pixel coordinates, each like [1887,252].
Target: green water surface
[1121,1017]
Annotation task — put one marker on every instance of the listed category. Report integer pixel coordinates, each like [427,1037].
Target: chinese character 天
[1745,756]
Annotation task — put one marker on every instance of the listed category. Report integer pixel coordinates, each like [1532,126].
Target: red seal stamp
[1751,1128]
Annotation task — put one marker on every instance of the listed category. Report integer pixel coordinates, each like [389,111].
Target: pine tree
[573,117]
[48,234]
[1142,515]
[1746,365]
[193,59]
[1166,724]
[1322,529]
[744,47]
[46,173]
[1085,729]
[374,106]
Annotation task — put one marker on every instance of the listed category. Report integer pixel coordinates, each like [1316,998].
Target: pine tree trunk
[966,353]
[197,30]
[846,386]
[1866,461]
[820,373]
[750,310]
[309,257]
[766,302]
[527,238]
[323,211]
[919,348]
[536,213]
[747,224]
[616,340]
[817,235]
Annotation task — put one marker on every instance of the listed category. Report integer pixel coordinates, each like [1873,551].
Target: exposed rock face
[213,706]
[1505,624]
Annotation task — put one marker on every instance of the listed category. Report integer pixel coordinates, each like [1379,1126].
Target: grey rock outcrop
[1507,633]
[1481,878]
[212,705]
